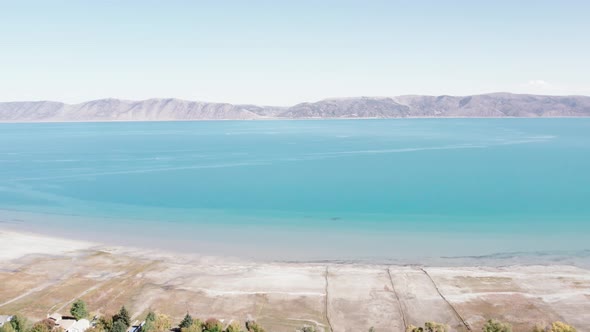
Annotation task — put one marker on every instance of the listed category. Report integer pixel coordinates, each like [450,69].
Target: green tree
[78,309]
[19,323]
[119,326]
[186,321]
[105,323]
[561,327]
[122,315]
[493,325]
[150,319]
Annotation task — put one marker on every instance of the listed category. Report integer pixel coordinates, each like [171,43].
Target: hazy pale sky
[285,52]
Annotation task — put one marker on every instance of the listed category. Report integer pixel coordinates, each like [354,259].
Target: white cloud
[538,84]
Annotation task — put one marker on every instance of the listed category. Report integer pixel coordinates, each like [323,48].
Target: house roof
[79,326]
[66,323]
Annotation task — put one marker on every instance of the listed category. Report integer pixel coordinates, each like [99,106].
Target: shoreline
[53,272]
[577,258]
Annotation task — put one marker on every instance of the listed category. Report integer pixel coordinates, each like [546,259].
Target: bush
[49,323]
[435,327]
[308,328]
[162,323]
[40,327]
[412,328]
[494,325]
[79,310]
[561,327]
[234,327]
[196,326]
[429,327]
[212,325]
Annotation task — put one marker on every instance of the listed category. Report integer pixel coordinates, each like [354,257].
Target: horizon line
[299,103]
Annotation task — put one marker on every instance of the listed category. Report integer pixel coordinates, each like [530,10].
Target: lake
[402,190]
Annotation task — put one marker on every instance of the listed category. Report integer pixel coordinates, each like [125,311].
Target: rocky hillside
[486,105]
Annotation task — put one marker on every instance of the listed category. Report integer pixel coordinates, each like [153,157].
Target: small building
[4,319]
[69,323]
[65,324]
[79,326]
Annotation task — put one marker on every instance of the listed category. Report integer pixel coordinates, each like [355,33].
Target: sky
[286,52]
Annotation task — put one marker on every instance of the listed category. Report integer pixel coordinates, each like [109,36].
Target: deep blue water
[354,189]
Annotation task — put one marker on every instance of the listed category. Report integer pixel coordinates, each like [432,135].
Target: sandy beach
[41,274]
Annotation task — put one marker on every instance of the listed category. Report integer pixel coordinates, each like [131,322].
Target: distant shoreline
[492,105]
[306,119]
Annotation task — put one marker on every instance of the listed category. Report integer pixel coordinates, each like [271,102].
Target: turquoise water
[354,189]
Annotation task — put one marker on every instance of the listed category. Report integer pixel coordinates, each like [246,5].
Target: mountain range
[484,105]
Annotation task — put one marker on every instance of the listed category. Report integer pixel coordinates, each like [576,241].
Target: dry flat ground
[40,275]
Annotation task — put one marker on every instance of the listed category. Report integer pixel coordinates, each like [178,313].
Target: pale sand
[39,275]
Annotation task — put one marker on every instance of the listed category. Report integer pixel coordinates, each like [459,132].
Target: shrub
[196,326]
[39,327]
[212,325]
[429,327]
[49,323]
[435,327]
[308,328]
[79,310]
[162,323]
[561,327]
[234,326]
[494,325]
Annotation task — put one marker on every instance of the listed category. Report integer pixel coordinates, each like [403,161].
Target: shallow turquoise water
[354,189]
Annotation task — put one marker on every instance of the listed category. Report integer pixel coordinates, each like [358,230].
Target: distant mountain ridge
[484,105]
